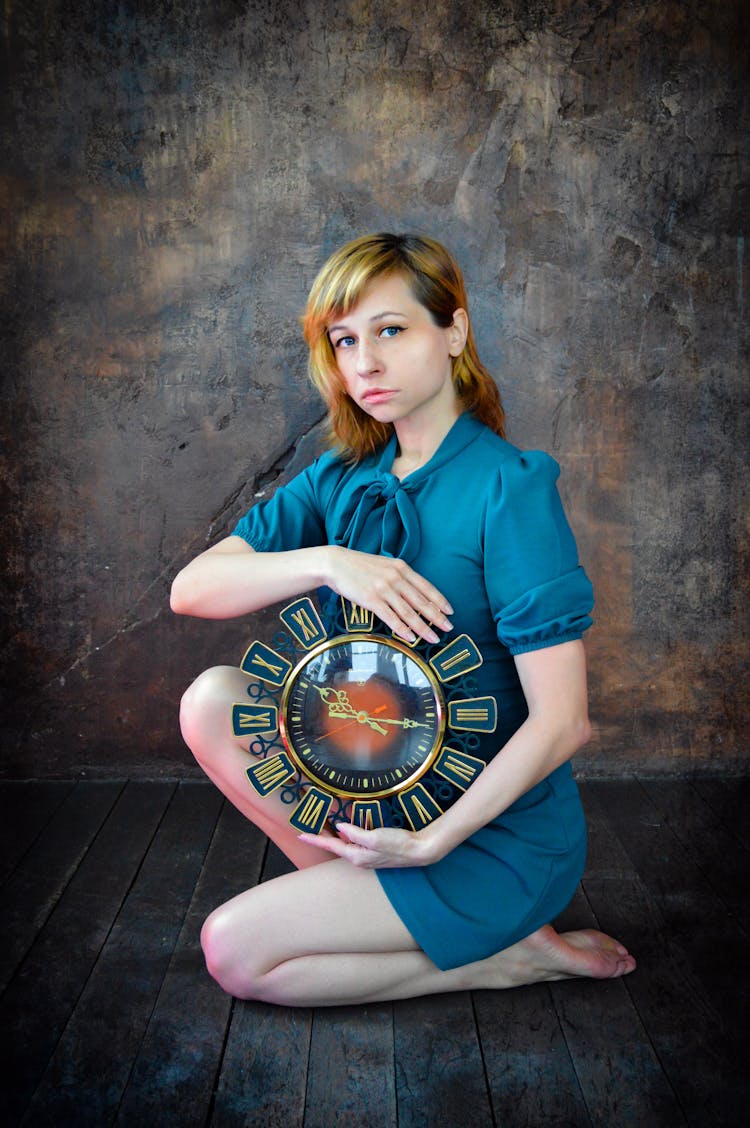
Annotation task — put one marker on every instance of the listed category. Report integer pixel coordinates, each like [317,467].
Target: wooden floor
[108,1016]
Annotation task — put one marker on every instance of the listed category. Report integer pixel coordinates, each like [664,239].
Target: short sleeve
[292,518]
[539,593]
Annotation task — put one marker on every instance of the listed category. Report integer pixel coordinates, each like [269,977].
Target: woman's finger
[405,601]
[415,610]
[421,615]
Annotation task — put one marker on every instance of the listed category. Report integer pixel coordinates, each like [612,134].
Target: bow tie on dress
[381,518]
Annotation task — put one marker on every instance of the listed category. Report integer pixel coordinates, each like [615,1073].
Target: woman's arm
[554,683]
[231,579]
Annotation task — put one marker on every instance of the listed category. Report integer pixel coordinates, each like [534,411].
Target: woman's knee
[228,961]
[205,707]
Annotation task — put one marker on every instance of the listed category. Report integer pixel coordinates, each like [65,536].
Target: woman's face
[394,360]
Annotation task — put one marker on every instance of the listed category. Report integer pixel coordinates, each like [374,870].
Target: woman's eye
[391,331]
[344,342]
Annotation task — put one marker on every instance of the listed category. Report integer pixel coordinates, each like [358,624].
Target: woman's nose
[368,358]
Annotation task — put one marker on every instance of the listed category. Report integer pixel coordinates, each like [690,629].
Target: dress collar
[378,515]
[464,431]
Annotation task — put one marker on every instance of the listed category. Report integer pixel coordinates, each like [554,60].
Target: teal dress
[484,523]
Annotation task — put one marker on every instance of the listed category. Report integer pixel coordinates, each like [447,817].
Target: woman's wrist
[325,564]
[432,843]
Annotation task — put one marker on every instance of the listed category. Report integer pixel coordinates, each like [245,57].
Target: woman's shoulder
[327,467]
[332,476]
[510,465]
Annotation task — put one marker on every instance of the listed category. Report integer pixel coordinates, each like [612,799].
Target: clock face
[362,715]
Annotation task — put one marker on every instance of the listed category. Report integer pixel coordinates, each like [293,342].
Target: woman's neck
[418,441]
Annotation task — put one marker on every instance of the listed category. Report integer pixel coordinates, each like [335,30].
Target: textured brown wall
[173,175]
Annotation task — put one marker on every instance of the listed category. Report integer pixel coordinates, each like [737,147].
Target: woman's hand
[384,848]
[405,601]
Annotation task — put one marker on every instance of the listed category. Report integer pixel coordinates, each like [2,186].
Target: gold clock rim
[393,644]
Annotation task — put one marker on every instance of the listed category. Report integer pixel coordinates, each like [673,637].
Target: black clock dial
[362,716]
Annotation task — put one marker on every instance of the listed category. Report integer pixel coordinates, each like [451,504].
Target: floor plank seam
[178,927]
[42,829]
[55,901]
[562,1023]
[220,1065]
[693,859]
[485,1071]
[655,1049]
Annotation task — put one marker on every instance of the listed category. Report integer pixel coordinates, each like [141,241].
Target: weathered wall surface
[174,172]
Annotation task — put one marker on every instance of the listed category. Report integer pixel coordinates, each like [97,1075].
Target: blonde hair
[436,282]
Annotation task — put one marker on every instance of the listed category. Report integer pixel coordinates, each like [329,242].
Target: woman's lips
[378,395]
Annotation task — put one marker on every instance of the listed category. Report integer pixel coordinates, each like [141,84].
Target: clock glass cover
[362,715]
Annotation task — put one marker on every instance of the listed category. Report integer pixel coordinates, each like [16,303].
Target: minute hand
[405,722]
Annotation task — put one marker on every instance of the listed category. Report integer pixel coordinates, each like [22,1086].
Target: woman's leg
[328,935]
[206,722]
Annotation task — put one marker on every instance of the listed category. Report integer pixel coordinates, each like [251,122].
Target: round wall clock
[356,724]
[362,715]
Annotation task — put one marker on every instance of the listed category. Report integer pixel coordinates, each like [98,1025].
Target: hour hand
[366,720]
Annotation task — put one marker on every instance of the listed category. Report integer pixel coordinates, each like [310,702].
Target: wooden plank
[439,1071]
[706,840]
[88,1072]
[682,892]
[44,991]
[176,1066]
[702,1051]
[25,809]
[350,1074]
[36,884]
[730,800]
[530,1073]
[265,1076]
[264,1070]
[704,1061]
[620,1074]
[276,863]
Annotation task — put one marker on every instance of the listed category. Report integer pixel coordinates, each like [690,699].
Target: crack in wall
[261,482]
[126,628]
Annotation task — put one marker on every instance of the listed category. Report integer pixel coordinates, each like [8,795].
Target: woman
[423,514]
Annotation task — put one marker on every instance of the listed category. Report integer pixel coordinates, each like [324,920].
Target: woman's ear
[458,332]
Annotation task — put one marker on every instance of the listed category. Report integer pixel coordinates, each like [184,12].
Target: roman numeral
[419,806]
[356,618]
[262,662]
[267,775]
[459,768]
[311,814]
[474,714]
[368,814]
[254,718]
[456,659]
[303,621]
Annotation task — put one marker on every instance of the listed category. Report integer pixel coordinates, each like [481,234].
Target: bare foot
[586,953]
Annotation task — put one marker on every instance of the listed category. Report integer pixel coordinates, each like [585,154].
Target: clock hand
[339,708]
[406,722]
[342,709]
[360,717]
[365,720]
